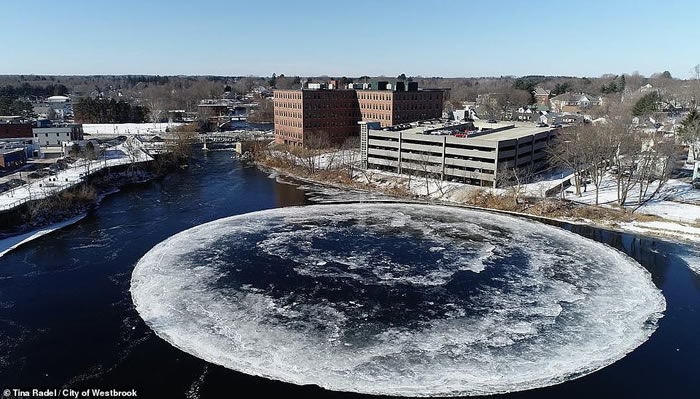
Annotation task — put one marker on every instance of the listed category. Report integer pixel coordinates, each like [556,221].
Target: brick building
[302,113]
[389,107]
[15,130]
[333,112]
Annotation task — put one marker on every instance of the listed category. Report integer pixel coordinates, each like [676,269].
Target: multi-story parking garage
[472,153]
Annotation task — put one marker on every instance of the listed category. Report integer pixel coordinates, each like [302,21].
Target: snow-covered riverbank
[10,243]
[454,194]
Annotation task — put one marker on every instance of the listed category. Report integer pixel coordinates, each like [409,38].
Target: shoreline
[13,242]
[8,244]
[617,226]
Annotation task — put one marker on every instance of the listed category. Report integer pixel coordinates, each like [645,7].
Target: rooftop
[517,130]
[486,131]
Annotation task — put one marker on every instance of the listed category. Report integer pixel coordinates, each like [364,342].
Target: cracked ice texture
[396,299]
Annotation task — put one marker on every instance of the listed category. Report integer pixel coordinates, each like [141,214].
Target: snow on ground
[680,214]
[125,129]
[545,182]
[417,185]
[673,230]
[64,179]
[328,160]
[10,243]
[677,200]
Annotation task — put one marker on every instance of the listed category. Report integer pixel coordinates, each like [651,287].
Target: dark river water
[67,318]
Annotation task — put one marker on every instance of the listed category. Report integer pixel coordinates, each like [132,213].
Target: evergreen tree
[621,86]
[689,132]
[88,110]
[647,104]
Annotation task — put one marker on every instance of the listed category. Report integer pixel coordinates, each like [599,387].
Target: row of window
[288,114]
[292,95]
[382,107]
[317,115]
[279,104]
[415,97]
[374,116]
[407,107]
[373,96]
[290,123]
[288,133]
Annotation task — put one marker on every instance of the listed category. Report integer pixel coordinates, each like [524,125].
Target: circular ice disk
[396,299]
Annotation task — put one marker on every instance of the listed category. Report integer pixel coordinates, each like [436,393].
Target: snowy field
[64,179]
[673,230]
[125,129]
[677,201]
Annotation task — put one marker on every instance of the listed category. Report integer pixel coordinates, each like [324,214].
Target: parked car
[541,124]
[696,183]
[492,121]
[557,125]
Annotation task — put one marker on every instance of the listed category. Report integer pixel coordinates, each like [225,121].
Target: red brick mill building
[326,110]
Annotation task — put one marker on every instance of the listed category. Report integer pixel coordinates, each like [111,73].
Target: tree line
[89,110]
[9,106]
[26,89]
[12,104]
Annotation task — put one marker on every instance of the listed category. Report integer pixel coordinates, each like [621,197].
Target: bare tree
[514,179]
[133,151]
[350,153]
[264,112]
[315,144]
[568,151]
[656,164]
[599,149]
[90,154]
[427,170]
[180,141]
[511,98]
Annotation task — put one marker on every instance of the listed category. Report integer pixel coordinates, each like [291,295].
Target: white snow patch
[10,243]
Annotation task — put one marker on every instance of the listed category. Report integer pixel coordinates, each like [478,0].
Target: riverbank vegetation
[339,166]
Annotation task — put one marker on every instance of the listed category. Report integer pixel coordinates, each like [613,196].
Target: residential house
[526,114]
[574,102]
[554,118]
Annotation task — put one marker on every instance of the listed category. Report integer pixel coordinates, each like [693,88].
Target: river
[67,318]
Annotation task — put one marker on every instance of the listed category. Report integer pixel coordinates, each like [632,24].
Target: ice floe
[396,299]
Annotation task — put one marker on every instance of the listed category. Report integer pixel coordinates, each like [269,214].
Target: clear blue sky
[351,38]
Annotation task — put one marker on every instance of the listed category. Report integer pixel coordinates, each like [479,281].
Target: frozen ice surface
[396,299]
